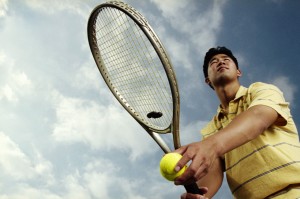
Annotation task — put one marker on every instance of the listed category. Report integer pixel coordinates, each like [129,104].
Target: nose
[221,62]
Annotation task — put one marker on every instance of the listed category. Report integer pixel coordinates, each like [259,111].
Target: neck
[227,93]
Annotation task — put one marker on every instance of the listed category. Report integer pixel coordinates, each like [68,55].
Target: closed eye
[213,61]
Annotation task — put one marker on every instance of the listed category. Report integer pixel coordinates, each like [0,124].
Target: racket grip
[193,188]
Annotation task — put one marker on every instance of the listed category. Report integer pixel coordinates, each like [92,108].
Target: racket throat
[156,137]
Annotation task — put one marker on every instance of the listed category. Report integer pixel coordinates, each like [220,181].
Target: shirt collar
[240,93]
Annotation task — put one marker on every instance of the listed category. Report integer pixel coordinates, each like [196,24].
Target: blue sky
[63,135]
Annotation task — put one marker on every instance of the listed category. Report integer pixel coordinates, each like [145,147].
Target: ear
[207,81]
[239,73]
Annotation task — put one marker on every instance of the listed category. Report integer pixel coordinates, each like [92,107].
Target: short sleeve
[271,96]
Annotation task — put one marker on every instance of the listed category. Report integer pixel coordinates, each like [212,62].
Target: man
[252,138]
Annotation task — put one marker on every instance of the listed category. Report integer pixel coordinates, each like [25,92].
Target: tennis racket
[137,70]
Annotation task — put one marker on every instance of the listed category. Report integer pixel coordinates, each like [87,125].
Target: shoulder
[261,86]
[271,96]
[260,90]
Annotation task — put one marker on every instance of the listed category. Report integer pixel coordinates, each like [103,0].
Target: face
[222,70]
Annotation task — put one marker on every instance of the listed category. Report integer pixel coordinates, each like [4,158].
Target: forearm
[245,127]
[213,180]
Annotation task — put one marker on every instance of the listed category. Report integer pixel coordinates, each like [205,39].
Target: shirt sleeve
[269,95]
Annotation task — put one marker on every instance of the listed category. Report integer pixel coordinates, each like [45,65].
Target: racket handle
[193,188]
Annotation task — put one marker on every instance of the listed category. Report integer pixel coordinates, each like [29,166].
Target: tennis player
[252,138]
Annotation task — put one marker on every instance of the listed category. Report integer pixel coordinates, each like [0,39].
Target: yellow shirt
[271,161]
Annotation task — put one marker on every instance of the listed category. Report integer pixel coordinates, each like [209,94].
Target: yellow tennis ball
[168,164]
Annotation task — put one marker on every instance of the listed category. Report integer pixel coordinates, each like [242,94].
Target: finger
[204,190]
[183,161]
[195,175]
[202,171]
[186,178]
[183,196]
[192,174]
[193,196]
[180,150]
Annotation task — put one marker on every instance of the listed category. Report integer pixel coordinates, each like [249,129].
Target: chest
[235,108]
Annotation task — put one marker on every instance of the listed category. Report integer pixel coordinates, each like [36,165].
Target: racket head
[135,66]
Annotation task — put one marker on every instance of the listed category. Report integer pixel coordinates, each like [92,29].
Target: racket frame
[140,20]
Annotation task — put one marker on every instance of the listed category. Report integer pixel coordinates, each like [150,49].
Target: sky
[62,133]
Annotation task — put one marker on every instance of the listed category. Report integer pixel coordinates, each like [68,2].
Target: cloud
[199,31]
[33,177]
[76,6]
[98,126]
[28,192]
[100,180]
[88,77]
[188,29]
[14,82]
[191,131]
[289,90]
[14,162]
[3,8]
[18,167]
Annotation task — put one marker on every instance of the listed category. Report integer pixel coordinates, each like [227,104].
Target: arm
[210,182]
[214,178]
[245,127]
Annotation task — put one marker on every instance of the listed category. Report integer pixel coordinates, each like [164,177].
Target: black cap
[215,51]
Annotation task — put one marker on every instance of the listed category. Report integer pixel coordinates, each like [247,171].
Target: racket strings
[120,46]
[134,67]
[144,51]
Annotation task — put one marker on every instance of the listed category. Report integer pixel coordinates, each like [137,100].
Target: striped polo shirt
[270,162]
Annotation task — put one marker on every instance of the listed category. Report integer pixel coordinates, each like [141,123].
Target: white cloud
[53,6]
[14,162]
[88,77]
[289,90]
[27,192]
[191,132]
[7,93]
[170,7]
[14,82]
[98,179]
[3,8]
[98,126]
[17,166]
[74,189]
[101,178]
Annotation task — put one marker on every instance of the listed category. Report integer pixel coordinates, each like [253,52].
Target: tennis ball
[168,164]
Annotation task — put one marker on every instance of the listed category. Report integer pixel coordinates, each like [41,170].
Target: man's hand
[202,154]
[195,196]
